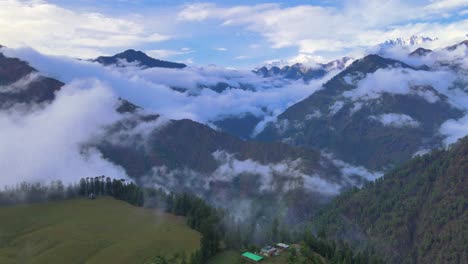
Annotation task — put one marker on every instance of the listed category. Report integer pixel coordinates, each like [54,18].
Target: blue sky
[241,34]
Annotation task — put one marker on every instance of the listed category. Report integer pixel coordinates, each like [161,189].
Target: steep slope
[360,109]
[417,213]
[140,58]
[183,155]
[20,83]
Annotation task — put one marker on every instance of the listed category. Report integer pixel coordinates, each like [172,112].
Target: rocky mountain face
[416,213]
[367,123]
[139,58]
[304,72]
[20,83]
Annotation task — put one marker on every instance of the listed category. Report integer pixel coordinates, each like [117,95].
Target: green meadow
[104,230]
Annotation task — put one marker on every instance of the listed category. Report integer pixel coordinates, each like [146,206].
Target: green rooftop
[252,256]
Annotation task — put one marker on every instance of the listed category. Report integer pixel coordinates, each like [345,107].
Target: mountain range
[412,41]
[183,155]
[376,116]
[301,71]
[386,125]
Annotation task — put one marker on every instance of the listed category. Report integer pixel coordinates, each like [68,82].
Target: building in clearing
[268,251]
[282,246]
[252,257]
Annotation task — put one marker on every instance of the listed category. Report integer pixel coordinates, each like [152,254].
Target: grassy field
[90,231]
[226,257]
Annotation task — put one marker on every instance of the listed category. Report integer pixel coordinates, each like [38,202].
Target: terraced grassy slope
[90,231]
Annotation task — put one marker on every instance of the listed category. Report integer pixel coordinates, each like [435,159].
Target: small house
[268,251]
[282,246]
[252,257]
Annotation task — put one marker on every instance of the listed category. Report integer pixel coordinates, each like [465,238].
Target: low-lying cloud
[151,88]
[46,142]
[396,120]
[401,81]
[454,129]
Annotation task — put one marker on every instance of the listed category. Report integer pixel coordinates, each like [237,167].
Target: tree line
[54,191]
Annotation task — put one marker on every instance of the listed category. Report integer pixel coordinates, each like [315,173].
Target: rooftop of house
[252,256]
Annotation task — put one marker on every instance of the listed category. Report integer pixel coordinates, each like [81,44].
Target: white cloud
[56,30]
[242,57]
[47,142]
[396,120]
[166,53]
[350,172]
[150,89]
[230,167]
[221,49]
[401,81]
[439,5]
[336,107]
[355,25]
[454,129]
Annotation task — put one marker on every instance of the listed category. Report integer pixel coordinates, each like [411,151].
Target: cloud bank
[151,88]
[47,142]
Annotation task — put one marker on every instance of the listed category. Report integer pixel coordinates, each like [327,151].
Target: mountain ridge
[330,120]
[416,213]
[138,57]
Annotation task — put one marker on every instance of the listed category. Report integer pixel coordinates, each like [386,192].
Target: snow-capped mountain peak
[403,42]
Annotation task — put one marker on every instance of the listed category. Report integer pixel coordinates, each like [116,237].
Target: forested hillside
[414,214]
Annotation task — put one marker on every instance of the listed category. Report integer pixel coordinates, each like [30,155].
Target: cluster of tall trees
[119,189]
[314,249]
[201,217]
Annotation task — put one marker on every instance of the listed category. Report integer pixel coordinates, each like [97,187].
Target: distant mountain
[20,83]
[463,43]
[301,71]
[406,42]
[420,52]
[140,58]
[241,126]
[371,127]
[416,213]
[183,155]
